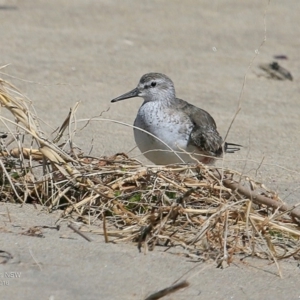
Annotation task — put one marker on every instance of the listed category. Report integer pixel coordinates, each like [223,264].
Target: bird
[169,130]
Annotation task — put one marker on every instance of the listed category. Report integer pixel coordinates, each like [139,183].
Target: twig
[260,199]
[171,289]
[104,228]
[8,214]
[37,263]
[79,232]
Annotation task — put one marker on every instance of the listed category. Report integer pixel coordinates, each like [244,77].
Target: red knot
[179,131]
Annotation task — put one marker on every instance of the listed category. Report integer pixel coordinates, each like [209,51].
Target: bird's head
[151,87]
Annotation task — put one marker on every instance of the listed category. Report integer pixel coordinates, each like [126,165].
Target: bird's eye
[153,83]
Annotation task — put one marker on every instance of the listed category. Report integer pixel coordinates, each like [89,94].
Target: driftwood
[260,199]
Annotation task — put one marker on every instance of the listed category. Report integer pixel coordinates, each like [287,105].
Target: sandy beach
[62,52]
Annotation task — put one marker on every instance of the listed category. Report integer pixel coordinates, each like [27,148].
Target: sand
[61,52]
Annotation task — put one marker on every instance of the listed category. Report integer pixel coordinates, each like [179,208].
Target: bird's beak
[134,93]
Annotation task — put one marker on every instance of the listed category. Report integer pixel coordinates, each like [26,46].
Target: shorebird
[168,130]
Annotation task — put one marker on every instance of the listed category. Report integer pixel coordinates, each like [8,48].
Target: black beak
[134,93]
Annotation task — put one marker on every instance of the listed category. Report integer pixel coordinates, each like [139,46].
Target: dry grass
[204,212]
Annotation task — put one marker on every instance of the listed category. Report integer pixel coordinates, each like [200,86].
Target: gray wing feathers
[207,139]
[204,134]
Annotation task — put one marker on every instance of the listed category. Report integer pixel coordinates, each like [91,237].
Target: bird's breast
[167,129]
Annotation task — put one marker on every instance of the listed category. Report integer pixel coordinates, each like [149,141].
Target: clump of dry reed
[206,212]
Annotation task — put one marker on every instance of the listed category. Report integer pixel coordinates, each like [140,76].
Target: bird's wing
[204,134]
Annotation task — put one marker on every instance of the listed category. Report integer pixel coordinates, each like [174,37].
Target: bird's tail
[231,148]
